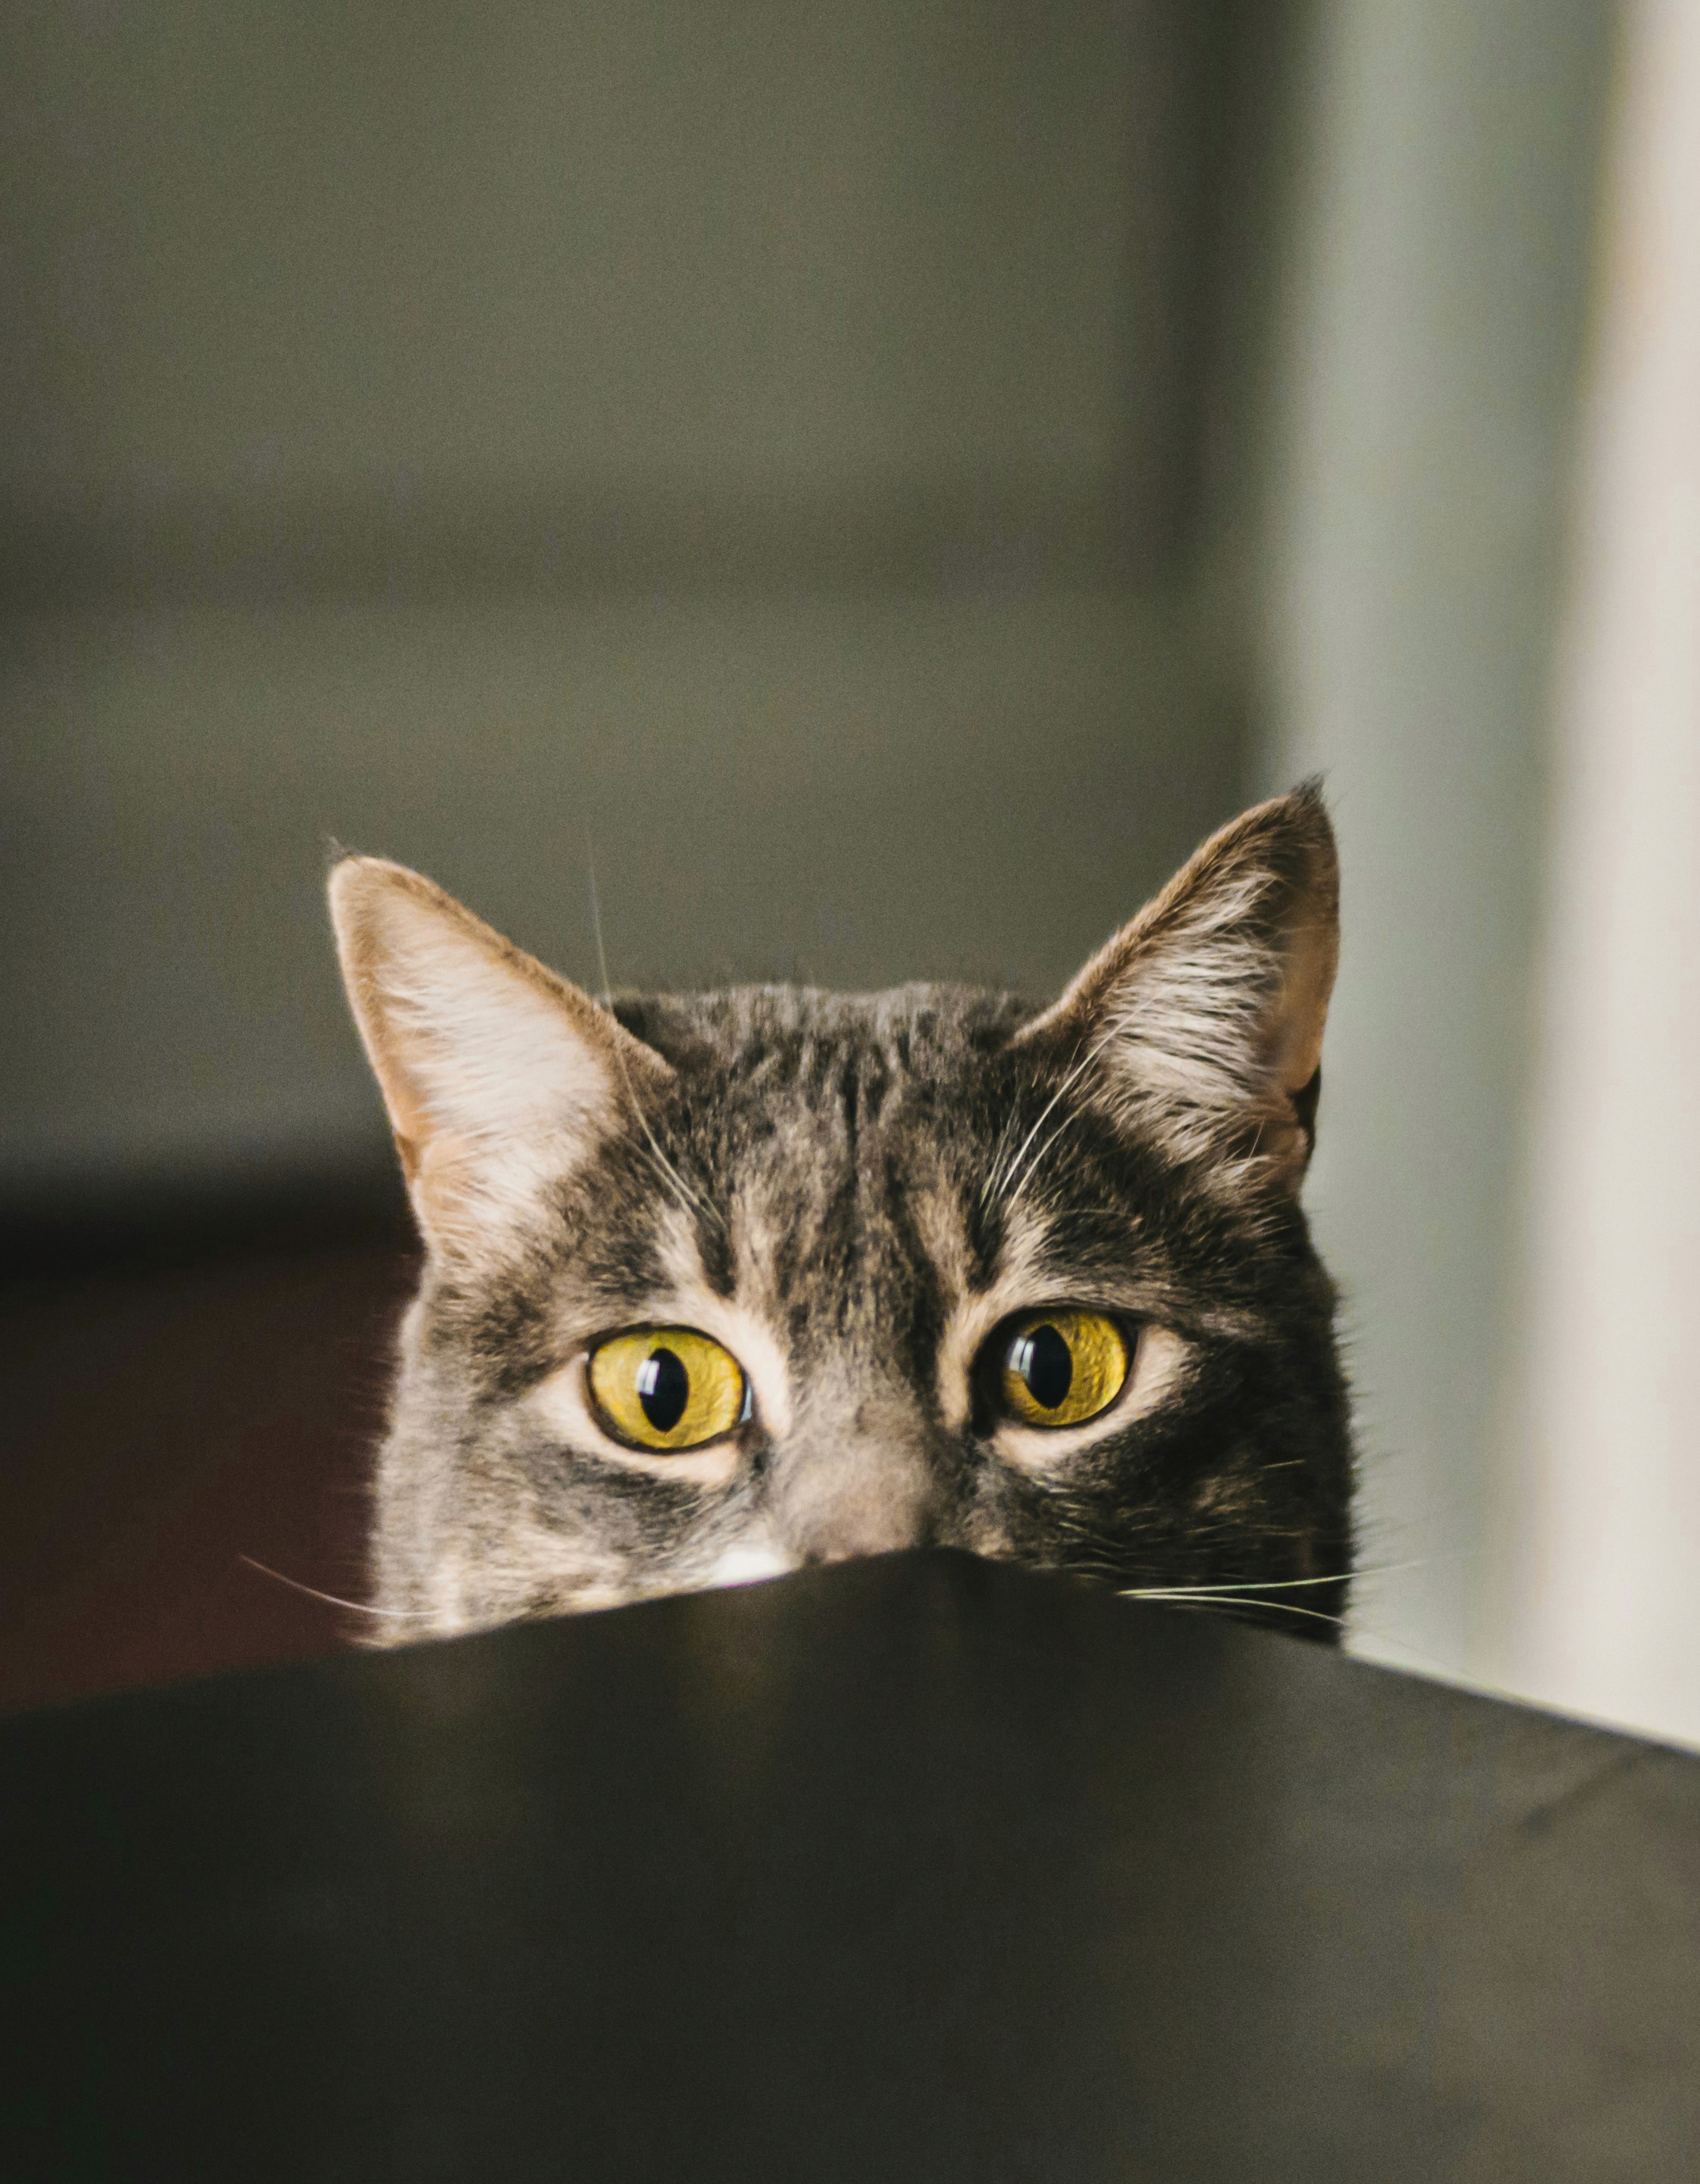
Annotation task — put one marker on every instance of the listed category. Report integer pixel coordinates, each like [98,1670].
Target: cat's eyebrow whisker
[689,1199]
[998,1184]
[992,1189]
[1000,1155]
[332,1599]
[1015,1188]
[1027,1173]
[606,996]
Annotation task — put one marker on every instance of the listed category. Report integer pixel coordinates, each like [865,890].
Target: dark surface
[914,1868]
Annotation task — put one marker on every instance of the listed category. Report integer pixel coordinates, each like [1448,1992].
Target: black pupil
[1045,1362]
[663,1387]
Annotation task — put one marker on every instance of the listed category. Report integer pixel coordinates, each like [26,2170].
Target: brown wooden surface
[161,1423]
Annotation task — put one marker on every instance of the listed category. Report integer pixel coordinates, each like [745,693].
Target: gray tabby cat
[719,1284]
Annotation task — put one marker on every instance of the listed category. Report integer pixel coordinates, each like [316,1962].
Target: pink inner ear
[496,1072]
[1302,1012]
[1207,1011]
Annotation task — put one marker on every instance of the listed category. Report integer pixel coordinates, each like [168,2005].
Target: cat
[717,1285]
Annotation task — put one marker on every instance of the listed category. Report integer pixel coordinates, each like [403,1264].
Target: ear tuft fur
[496,1072]
[1203,1017]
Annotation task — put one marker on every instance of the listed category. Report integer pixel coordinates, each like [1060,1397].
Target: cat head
[719,1284]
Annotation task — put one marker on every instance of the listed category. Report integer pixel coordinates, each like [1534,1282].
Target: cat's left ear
[497,1074]
[1202,1020]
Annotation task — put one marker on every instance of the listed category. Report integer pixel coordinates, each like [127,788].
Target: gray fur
[871,1183]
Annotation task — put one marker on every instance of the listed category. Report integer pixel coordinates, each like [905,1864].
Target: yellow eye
[1061,1367]
[667,1387]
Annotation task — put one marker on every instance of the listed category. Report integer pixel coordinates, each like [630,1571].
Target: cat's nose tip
[852,1524]
[853,1542]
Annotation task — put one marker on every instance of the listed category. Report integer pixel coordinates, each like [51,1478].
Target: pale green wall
[621,245]
[765,444]
[746,438]
[848,788]
[1427,355]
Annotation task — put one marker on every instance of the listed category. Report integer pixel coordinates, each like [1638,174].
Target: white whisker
[332,1599]
[1186,1595]
[688,1198]
[998,1184]
[606,996]
[1027,1173]
[1293,1584]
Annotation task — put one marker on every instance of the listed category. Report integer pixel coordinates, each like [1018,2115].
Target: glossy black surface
[914,1868]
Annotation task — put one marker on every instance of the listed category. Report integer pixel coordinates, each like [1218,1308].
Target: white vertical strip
[1421,429]
[1602,1537]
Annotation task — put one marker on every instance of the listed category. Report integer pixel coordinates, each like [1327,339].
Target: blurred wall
[881,482]
[1407,564]
[752,444]
[1598,1516]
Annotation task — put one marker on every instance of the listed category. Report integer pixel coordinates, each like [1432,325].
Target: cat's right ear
[498,1075]
[1202,1020]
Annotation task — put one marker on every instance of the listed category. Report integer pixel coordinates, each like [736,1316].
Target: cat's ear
[498,1075]
[1202,1020]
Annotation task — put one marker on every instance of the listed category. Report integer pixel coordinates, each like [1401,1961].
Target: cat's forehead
[841,1141]
[862,1160]
[783,1030]
[809,1103]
